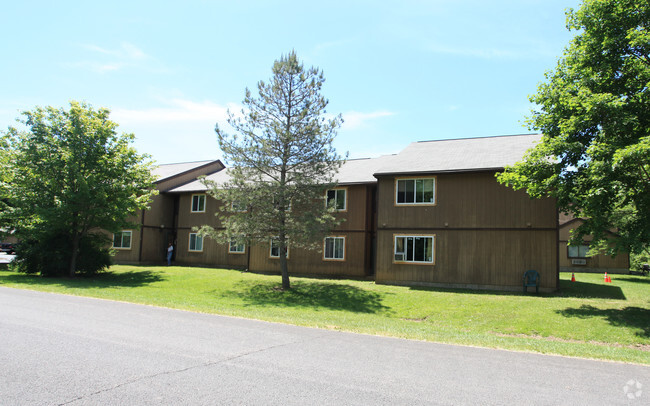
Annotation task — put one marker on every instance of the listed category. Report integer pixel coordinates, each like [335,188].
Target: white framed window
[415,191]
[275,248]
[196,243]
[122,240]
[338,199]
[334,248]
[238,206]
[198,203]
[235,248]
[414,249]
[578,251]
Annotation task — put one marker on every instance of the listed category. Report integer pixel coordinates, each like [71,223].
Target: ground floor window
[275,248]
[334,248]
[578,251]
[122,240]
[196,242]
[414,248]
[235,248]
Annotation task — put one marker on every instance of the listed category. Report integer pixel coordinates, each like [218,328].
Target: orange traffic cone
[573,277]
[607,278]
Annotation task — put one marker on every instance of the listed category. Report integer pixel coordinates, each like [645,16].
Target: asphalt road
[66,350]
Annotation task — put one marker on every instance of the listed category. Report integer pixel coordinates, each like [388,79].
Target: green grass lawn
[587,318]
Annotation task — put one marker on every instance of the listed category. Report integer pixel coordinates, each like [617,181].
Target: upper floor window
[238,206]
[334,248]
[578,251]
[337,198]
[415,191]
[198,203]
[414,248]
[122,239]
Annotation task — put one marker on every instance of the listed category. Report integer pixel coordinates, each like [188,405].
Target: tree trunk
[286,285]
[75,253]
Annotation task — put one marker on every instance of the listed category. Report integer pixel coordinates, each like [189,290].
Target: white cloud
[179,110]
[355,119]
[103,60]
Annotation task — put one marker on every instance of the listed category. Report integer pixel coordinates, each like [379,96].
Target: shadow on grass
[315,295]
[638,279]
[590,290]
[129,279]
[567,289]
[633,317]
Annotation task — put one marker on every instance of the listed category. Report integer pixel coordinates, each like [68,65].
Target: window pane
[338,251]
[331,198]
[340,199]
[419,191]
[126,240]
[117,240]
[573,251]
[429,249]
[401,191]
[427,191]
[409,196]
[409,249]
[583,250]
[419,249]
[328,247]
[202,203]
[399,245]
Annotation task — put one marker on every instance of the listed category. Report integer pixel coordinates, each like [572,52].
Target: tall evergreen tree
[282,163]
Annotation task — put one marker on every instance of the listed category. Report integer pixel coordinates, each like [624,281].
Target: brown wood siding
[354,218]
[213,254]
[311,262]
[301,261]
[600,262]
[188,219]
[128,256]
[474,257]
[485,234]
[467,200]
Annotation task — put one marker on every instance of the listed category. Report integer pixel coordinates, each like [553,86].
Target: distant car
[8,248]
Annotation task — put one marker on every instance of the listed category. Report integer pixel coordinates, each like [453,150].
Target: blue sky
[398,72]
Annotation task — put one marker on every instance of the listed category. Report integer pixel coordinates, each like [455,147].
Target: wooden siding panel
[475,257]
[311,262]
[467,200]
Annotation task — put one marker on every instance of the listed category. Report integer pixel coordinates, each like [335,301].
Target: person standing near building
[170,251]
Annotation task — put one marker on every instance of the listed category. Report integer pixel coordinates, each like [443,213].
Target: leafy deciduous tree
[282,162]
[72,176]
[594,112]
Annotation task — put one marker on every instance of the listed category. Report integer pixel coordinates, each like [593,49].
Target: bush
[638,259]
[49,255]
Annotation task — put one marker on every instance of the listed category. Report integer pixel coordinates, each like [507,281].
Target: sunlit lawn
[588,318]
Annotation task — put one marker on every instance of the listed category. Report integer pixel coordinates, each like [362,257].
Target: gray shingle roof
[457,155]
[353,171]
[164,171]
[362,170]
[197,185]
